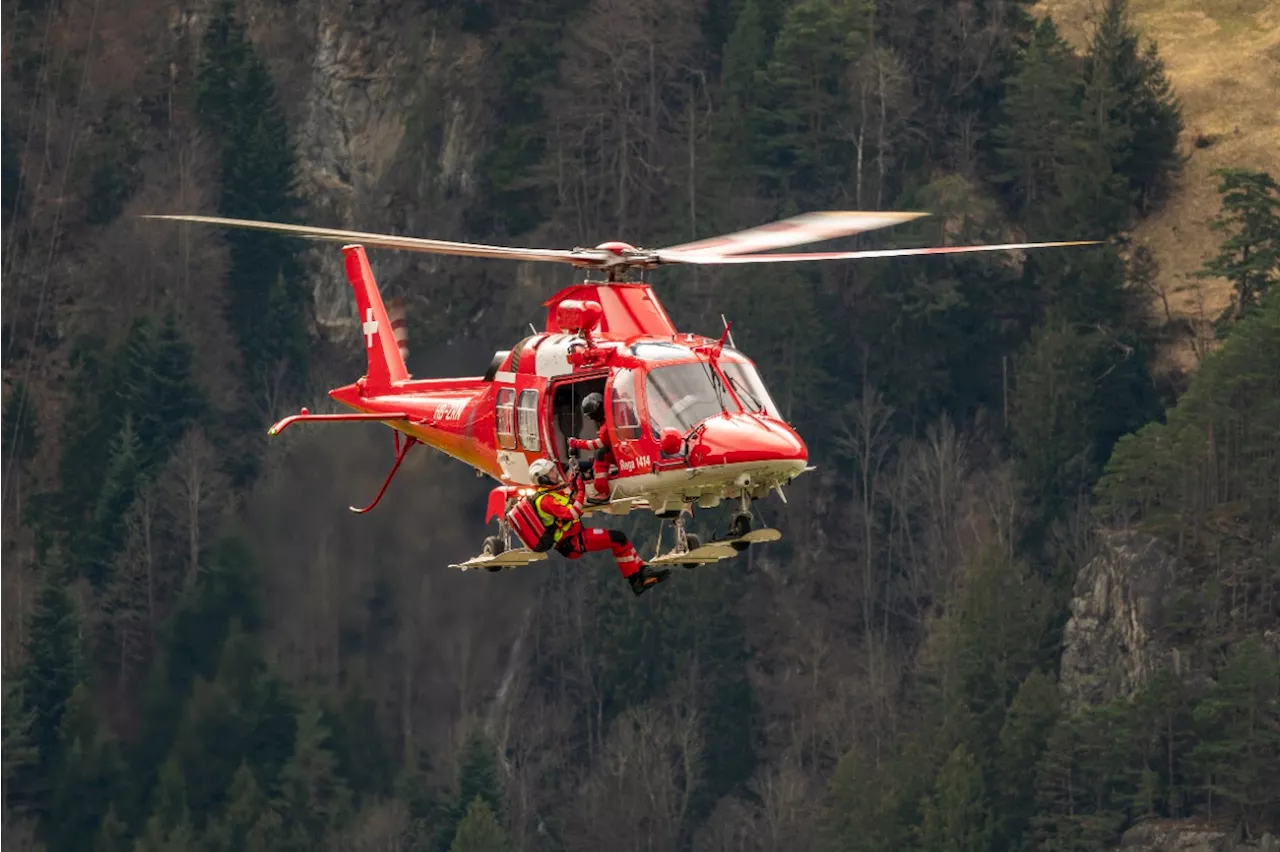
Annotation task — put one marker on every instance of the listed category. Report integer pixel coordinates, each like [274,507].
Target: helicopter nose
[746,439]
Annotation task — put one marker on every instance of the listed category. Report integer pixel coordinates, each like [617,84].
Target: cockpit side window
[626,422]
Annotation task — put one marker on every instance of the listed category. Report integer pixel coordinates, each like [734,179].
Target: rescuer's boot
[646,577]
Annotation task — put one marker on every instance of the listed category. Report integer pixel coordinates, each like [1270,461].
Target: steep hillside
[1223,58]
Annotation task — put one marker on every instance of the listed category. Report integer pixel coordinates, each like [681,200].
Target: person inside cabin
[593,409]
[552,517]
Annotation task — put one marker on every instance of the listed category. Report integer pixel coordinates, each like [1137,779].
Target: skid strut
[402,449]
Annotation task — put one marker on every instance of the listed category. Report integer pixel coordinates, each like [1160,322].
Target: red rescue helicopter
[689,418]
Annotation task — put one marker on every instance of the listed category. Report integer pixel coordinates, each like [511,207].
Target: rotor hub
[617,248]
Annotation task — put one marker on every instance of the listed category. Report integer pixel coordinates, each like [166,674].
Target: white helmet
[543,472]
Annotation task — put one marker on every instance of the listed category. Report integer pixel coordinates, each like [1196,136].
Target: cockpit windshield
[680,396]
[749,387]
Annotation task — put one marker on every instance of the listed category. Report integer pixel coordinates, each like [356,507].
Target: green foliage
[315,799]
[53,667]
[89,778]
[526,60]
[976,656]
[1023,738]
[1038,143]
[480,830]
[1131,106]
[1214,461]
[956,816]
[801,154]
[1239,745]
[1250,255]
[236,102]
[478,781]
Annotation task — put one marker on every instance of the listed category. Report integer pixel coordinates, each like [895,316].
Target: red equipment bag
[529,527]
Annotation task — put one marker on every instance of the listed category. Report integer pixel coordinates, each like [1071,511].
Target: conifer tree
[956,816]
[1133,110]
[314,798]
[1239,748]
[237,103]
[1035,141]
[480,830]
[88,778]
[250,821]
[1250,255]
[52,669]
[1023,737]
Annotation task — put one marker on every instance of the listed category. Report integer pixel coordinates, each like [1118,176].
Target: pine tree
[480,830]
[1135,113]
[1250,256]
[237,103]
[88,779]
[1023,738]
[169,828]
[314,798]
[52,669]
[250,821]
[1239,748]
[105,533]
[804,81]
[956,817]
[745,54]
[1036,141]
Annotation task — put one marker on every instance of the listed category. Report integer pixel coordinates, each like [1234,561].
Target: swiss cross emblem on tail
[370,328]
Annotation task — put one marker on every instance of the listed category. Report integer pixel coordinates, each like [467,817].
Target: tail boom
[454,416]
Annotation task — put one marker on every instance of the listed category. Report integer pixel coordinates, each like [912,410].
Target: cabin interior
[566,412]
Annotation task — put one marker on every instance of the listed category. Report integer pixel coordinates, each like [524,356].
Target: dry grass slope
[1223,57]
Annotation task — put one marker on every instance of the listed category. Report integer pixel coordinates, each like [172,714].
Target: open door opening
[566,413]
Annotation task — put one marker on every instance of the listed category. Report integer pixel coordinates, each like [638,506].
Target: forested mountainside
[1028,600]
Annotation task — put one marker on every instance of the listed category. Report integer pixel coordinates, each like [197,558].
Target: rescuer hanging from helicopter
[552,517]
[593,409]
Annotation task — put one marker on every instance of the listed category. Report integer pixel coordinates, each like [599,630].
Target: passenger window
[506,418]
[528,420]
[626,423]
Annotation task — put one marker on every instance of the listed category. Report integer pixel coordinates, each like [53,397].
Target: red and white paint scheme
[689,418]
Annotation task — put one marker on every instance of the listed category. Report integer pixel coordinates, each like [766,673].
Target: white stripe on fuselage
[691,483]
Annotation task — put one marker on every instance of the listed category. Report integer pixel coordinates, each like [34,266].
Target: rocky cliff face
[388,112]
[1115,637]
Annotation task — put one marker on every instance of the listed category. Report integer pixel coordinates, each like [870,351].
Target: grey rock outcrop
[1115,638]
[1187,836]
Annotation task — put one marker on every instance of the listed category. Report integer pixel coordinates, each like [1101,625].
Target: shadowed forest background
[204,650]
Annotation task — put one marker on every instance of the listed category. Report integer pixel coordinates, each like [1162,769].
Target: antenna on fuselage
[728,332]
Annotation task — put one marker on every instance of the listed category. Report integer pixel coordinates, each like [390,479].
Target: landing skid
[508,559]
[688,550]
[760,536]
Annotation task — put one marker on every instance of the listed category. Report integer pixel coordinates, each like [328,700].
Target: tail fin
[386,364]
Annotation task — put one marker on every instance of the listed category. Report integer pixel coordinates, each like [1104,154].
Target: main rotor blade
[806,228]
[855,255]
[581,258]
